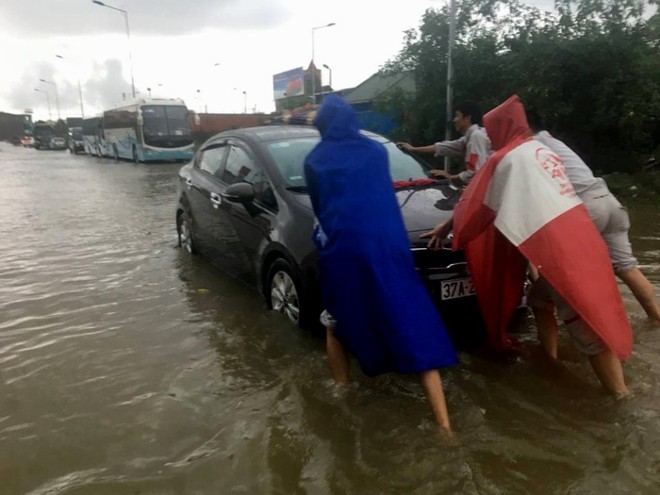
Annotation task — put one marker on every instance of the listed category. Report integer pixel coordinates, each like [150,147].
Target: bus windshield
[166,126]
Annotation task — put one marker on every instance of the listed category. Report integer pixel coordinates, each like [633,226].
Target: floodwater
[126,367]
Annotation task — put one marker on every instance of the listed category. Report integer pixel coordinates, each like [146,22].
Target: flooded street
[128,367]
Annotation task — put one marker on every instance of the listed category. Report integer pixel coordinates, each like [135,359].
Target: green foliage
[591,67]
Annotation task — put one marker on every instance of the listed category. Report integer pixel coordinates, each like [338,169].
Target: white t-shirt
[578,172]
[474,147]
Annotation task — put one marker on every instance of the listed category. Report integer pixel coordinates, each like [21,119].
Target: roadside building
[205,125]
[15,126]
[364,96]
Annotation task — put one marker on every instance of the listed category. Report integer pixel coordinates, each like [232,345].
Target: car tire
[184,233]
[136,158]
[284,292]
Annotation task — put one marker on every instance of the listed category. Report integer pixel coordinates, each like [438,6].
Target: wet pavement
[128,367]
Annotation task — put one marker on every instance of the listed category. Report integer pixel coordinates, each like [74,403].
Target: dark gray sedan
[242,203]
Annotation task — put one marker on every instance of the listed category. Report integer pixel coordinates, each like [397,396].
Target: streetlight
[450,73]
[314,65]
[201,103]
[128,35]
[244,99]
[82,110]
[330,72]
[57,98]
[50,116]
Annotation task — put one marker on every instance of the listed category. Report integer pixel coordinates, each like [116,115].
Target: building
[205,125]
[15,126]
[363,96]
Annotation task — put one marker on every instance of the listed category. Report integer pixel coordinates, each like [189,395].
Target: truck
[42,133]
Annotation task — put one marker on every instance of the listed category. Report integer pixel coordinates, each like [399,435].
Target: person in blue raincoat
[384,314]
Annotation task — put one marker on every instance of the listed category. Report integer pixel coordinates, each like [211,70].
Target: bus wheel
[136,159]
[114,150]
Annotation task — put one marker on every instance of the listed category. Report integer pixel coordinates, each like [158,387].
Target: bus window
[177,118]
[155,121]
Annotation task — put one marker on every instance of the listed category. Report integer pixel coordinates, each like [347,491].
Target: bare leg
[337,358]
[609,371]
[643,292]
[546,323]
[435,396]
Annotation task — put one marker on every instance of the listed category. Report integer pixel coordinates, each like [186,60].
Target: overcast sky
[176,44]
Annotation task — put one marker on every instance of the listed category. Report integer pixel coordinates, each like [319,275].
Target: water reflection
[128,367]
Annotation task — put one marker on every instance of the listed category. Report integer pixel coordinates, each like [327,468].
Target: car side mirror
[241,192]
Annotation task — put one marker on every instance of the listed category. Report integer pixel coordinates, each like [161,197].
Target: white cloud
[175,45]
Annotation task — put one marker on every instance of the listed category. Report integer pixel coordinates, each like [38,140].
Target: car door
[204,189]
[251,222]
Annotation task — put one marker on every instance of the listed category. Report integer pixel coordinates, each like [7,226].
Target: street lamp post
[450,74]
[330,75]
[244,99]
[57,98]
[128,35]
[82,110]
[313,64]
[50,116]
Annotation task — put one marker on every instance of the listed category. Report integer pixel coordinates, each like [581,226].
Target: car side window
[242,167]
[210,159]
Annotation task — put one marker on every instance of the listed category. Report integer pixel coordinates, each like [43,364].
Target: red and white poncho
[522,206]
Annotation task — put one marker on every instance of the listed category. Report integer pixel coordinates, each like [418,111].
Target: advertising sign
[289,83]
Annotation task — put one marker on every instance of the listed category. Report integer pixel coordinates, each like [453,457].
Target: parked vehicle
[42,132]
[75,140]
[242,203]
[57,143]
[27,141]
[93,138]
[148,130]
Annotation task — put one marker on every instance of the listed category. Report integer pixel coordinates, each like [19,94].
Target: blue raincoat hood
[336,119]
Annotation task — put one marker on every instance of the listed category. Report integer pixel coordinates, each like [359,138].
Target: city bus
[92,130]
[148,130]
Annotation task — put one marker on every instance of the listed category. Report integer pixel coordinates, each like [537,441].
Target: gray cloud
[44,18]
[22,95]
[106,87]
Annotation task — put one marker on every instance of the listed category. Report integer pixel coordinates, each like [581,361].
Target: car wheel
[184,233]
[136,159]
[285,292]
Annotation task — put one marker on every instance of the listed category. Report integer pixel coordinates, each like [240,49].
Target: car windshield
[289,157]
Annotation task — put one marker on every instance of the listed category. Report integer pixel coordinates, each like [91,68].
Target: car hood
[422,207]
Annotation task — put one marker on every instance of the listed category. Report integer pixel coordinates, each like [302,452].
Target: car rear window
[289,157]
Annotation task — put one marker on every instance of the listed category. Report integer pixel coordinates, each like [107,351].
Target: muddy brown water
[126,367]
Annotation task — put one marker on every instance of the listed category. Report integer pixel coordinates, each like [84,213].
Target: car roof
[277,132]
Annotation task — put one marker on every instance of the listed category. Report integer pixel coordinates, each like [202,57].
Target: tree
[591,67]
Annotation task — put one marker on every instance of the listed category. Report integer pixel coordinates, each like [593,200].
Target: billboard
[289,83]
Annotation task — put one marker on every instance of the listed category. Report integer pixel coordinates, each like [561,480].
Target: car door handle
[216,199]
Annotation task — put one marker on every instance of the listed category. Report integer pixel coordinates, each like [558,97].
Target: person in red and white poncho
[521,207]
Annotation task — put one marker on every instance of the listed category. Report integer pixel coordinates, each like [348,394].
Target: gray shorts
[612,221]
[543,296]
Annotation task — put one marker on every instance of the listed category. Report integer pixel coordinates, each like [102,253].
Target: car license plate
[453,289]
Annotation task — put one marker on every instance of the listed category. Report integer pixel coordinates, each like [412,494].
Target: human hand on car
[438,234]
[405,146]
[441,173]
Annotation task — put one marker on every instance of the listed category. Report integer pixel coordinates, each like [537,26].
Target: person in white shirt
[473,145]
[611,220]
